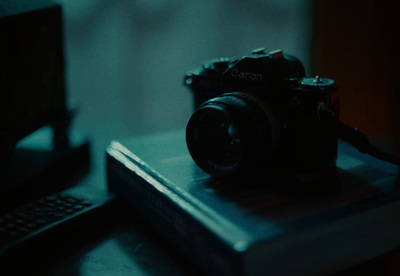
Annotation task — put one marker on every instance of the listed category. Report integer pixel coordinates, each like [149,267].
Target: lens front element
[230,134]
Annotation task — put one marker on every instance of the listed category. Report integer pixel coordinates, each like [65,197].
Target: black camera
[258,112]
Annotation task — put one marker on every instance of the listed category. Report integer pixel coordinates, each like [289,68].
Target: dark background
[355,43]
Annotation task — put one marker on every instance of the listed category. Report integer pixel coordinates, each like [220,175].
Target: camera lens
[231,134]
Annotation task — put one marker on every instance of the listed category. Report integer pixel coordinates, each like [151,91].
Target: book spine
[185,232]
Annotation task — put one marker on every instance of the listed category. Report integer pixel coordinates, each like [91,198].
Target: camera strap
[361,142]
[354,137]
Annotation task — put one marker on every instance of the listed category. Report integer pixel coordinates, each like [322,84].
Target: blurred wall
[126,58]
[358,46]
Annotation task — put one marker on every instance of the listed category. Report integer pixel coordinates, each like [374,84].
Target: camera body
[259,112]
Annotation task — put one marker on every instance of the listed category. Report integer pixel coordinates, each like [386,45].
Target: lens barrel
[232,134]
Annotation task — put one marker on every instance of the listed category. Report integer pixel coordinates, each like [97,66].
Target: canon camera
[258,112]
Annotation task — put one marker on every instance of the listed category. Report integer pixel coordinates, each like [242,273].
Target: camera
[258,112]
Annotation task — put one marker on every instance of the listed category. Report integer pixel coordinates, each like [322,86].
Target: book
[280,223]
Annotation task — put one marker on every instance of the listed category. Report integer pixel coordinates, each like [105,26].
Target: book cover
[278,222]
